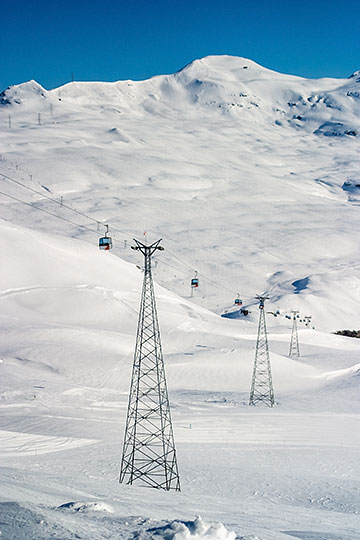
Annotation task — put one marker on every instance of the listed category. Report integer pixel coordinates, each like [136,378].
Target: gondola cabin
[105,243]
[238,302]
[194,283]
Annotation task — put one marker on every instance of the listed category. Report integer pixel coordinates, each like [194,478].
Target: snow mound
[343,374]
[117,135]
[88,506]
[194,530]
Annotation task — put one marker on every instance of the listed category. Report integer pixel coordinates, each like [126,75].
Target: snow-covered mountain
[225,84]
[251,177]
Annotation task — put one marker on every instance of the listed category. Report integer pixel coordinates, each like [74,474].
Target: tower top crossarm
[147,250]
[294,312]
[261,299]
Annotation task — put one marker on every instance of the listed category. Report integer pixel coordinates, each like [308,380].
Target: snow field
[66,383]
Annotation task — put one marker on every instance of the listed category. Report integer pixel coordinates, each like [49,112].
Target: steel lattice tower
[294,341]
[149,455]
[262,390]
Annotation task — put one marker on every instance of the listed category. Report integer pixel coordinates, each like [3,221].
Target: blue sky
[135,39]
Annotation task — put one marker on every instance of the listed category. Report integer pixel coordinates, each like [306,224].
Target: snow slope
[214,160]
[274,195]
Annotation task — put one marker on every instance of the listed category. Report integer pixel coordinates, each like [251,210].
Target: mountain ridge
[225,84]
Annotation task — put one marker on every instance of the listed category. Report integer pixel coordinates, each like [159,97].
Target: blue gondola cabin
[194,283]
[105,243]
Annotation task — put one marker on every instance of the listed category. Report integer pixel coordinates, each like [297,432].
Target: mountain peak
[22,92]
[227,67]
[355,75]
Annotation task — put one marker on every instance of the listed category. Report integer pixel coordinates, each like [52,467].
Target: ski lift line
[184,263]
[94,232]
[51,199]
[90,230]
[129,235]
[202,275]
[64,205]
[181,261]
[54,215]
[51,214]
[47,212]
[94,220]
[165,263]
[176,268]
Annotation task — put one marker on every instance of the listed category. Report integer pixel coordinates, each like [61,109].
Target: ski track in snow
[14,444]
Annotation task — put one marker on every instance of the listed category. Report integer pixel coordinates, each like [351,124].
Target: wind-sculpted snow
[193,530]
[87,506]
